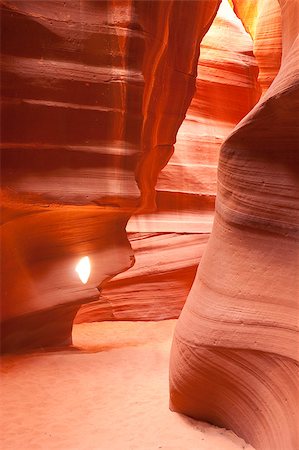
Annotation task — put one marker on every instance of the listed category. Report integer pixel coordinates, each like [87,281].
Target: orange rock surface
[123,123]
[163,261]
[262,19]
[68,162]
[186,187]
[235,352]
[227,71]
[83,97]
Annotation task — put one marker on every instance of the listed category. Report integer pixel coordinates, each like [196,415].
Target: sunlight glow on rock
[83,269]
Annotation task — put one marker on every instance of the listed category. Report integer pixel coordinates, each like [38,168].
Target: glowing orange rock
[262,19]
[83,97]
[226,89]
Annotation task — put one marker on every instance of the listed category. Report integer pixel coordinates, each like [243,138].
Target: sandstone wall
[227,88]
[88,107]
[235,352]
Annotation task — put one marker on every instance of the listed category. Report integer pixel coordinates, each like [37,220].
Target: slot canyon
[149,224]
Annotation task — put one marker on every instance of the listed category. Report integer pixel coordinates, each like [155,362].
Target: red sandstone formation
[186,188]
[93,96]
[262,19]
[87,87]
[157,286]
[235,352]
[68,161]
[227,72]
[170,77]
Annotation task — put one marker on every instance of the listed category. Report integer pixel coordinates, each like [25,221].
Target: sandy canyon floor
[108,393]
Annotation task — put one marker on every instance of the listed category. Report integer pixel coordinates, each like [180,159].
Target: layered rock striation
[93,95]
[88,107]
[227,71]
[156,287]
[227,88]
[234,358]
[68,160]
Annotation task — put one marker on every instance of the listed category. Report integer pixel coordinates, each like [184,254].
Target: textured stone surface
[235,351]
[93,97]
[68,161]
[83,97]
[226,89]
[157,286]
[227,73]
[262,20]
[186,187]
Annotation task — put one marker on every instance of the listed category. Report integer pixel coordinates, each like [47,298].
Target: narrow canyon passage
[168,242]
[149,206]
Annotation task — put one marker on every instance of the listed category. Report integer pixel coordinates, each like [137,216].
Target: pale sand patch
[110,395]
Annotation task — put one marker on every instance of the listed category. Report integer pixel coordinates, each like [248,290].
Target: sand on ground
[111,393]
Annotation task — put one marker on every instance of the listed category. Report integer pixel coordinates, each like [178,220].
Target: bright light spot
[83,269]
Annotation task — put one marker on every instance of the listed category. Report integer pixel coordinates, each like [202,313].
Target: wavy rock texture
[93,96]
[186,187]
[170,80]
[87,88]
[68,159]
[227,72]
[164,262]
[235,352]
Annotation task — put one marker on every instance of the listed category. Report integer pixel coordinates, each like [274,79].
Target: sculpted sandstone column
[234,358]
[175,31]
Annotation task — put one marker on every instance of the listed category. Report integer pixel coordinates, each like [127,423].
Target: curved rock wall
[87,87]
[227,73]
[170,77]
[235,352]
[185,192]
[262,20]
[165,262]
[70,103]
